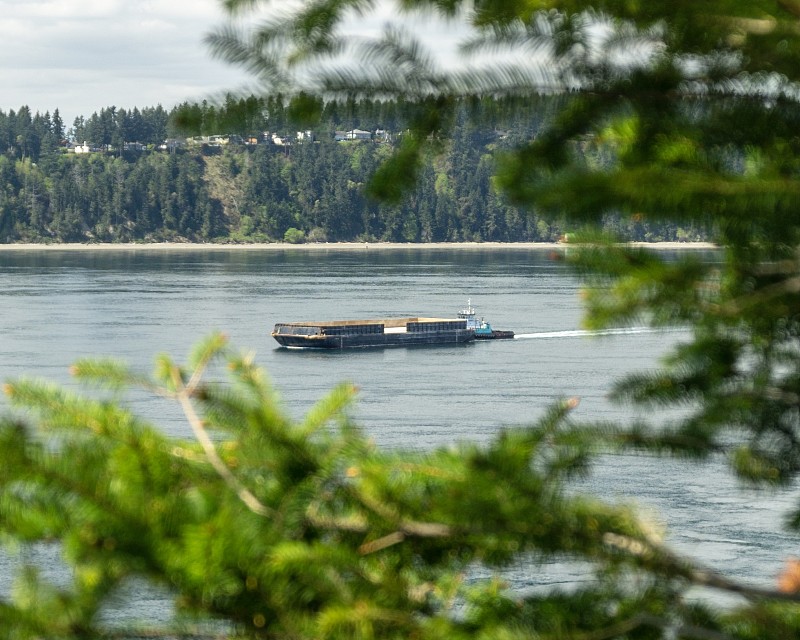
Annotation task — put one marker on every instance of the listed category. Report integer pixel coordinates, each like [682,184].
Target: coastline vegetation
[139,181]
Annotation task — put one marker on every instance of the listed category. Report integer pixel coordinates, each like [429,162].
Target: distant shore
[326,246]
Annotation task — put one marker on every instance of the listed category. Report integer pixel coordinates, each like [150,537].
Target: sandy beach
[329,246]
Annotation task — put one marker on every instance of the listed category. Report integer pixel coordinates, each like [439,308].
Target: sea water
[57,306]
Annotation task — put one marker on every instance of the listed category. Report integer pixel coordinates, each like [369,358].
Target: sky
[81,56]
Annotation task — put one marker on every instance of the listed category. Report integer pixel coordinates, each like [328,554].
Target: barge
[386,332]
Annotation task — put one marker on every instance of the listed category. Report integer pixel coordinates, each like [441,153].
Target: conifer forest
[139,180]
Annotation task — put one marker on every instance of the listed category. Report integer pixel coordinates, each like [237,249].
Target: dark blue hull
[346,341]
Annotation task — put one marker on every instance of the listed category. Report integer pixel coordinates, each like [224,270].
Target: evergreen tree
[306,530]
[245,181]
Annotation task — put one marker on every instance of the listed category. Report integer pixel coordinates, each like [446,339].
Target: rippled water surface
[57,306]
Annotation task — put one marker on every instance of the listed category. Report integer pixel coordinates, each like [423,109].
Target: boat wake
[583,333]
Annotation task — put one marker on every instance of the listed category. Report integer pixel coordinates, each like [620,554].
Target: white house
[358,134]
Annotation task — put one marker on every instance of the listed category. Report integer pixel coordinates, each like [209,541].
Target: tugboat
[483,330]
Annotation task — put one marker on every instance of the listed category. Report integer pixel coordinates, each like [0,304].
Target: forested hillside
[309,189]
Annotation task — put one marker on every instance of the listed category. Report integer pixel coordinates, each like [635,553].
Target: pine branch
[666,561]
[761,296]
[405,528]
[184,396]
[161,634]
[792,6]
[677,630]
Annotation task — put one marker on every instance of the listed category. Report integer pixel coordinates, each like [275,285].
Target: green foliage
[682,114]
[285,529]
[317,234]
[685,115]
[265,527]
[656,114]
[305,110]
[294,236]
[254,193]
[241,194]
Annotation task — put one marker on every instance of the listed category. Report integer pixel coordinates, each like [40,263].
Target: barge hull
[375,340]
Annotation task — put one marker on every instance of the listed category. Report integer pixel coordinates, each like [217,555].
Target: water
[57,306]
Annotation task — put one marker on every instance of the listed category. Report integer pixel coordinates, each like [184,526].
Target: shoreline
[330,246]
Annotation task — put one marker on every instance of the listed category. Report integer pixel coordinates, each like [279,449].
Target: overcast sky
[83,55]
